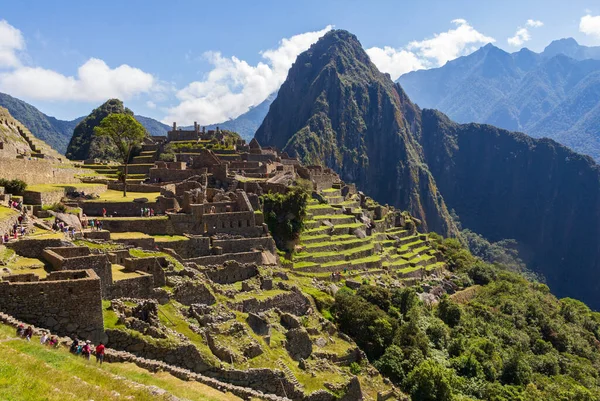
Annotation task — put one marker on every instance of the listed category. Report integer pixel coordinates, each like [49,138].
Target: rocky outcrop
[298,344]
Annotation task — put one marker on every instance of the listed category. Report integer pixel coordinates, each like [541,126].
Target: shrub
[355,368]
[284,215]
[13,187]
[449,312]
[390,364]
[430,382]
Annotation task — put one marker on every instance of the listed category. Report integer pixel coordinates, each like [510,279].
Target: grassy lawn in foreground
[30,371]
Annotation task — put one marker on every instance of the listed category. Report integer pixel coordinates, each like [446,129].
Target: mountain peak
[567,46]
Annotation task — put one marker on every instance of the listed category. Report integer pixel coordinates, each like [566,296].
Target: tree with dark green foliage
[284,215]
[430,382]
[511,339]
[13,187]
[85,144]
[125,133]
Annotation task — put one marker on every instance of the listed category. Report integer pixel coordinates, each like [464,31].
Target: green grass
[62,187]
[128,235]
[119,273]
[117,196]
[32,372]
[169,238]
[6,212]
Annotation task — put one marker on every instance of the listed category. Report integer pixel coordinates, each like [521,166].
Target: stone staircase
[35,151]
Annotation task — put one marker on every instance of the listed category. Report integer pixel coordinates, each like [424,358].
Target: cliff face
[508,185]
[84,144]
[337,109]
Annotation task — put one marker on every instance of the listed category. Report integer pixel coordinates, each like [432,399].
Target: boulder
[298,344]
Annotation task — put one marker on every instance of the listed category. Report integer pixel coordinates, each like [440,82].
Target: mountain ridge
[542,94]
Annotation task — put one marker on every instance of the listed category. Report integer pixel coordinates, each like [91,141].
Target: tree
[125,133]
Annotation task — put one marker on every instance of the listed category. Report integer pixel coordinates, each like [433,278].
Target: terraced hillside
[344,236]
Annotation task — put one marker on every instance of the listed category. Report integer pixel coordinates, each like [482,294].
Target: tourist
[28,333]
[86,350]
[142,212]
[103,212]
[6,239]
[44,338]
[100,224]
[100,353]
[74,346]
[20,330]
[92,224]
[53,342]
[151,212]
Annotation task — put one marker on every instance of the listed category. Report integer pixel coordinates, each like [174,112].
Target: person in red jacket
[100,353]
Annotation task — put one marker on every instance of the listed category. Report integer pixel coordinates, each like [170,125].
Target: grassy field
[62,187]
[6,212]
[117,196]
[31,372]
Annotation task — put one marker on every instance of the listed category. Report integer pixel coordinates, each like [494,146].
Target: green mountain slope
[55,133]
[84,144]
[336,108]
[352,118]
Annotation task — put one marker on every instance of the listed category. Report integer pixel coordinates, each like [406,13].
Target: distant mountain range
[57,133]
[552,94]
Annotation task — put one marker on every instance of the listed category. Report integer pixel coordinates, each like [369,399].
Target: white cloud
[462,40]
[534,23]
[150,104]
[395,61]
[233,85]
[95,80]
[11,41]
[434,52]
[521,36]
[590,25]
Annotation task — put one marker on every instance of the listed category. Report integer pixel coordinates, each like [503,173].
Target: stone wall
[37,172]
[118,209]
[135,287]
[193,247]
[236,245]
[79,258]
[66,302]
[244,257]
[232,223]
[151,265]
[231,272]
[33,248]
[290,302]
[149,225]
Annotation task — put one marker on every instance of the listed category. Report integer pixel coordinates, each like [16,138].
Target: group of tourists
[59,226]
[147,212]
[93,224]
[18,229]
[78,347]
[85,349]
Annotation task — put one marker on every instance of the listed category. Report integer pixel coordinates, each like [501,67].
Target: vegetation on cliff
[284,215]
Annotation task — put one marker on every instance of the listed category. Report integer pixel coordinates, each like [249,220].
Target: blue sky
[210,61]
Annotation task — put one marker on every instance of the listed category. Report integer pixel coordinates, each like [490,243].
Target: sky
[202,61]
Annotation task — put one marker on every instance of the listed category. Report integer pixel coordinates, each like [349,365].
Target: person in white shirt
[44,338]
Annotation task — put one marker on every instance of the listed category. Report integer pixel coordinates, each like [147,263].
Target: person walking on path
[100,353]
[86,350]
